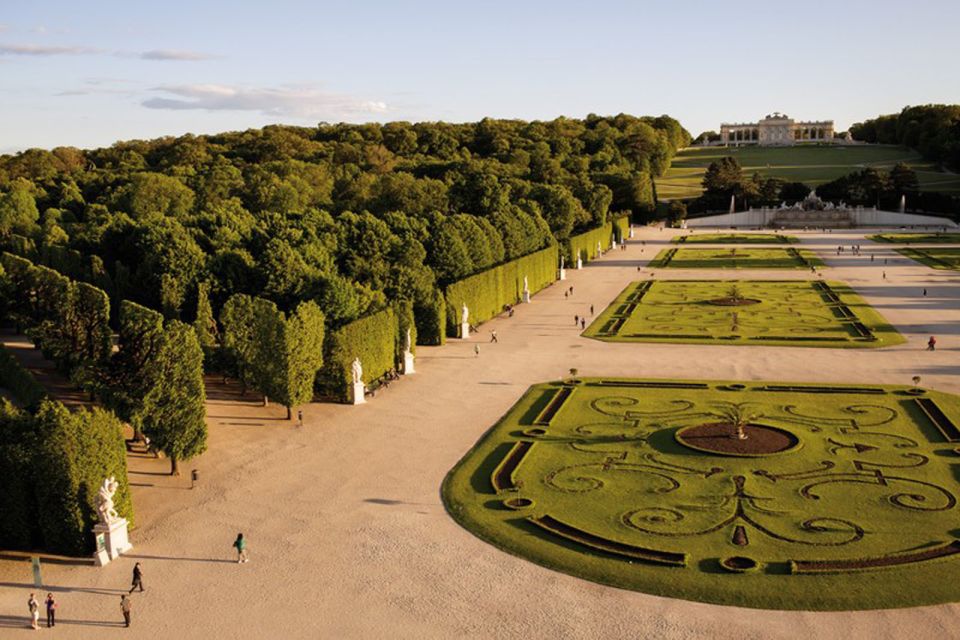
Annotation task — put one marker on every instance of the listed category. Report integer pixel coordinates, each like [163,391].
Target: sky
[88,74]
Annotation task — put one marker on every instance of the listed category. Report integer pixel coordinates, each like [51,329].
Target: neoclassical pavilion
[776,129]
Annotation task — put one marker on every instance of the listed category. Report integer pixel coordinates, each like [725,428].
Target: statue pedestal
[579,262]
[630,233]
[408,363]
[526,295]
[464,330]
[563,274]
[356,396]
[111,541]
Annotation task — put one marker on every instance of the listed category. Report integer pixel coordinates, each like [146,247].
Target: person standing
[137,578]
[51,611]
[924,292]
[583,324]
[932,344]
[576,320]
[125,606]
[476,350]
[300,417]
[240,544]
[34,607]
[591,309]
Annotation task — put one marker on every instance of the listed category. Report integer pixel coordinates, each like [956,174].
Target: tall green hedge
[53,463]
[586,244]
[621,227]
[372,338]
[431,320]
[487,292]
[28,392]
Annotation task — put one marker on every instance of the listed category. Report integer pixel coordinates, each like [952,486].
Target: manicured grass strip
[734,238]
[564,530]
[636,486]
[917,238]
[947,259]
[939,419]
[689,258]
[824,566]
[810,313]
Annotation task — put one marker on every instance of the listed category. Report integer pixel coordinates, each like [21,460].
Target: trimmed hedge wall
[586,244]
[431,320]
[53,463]
[621,227]
[13,377]
[372,338]
[487,292]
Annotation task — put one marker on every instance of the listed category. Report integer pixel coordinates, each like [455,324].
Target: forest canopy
[348,216]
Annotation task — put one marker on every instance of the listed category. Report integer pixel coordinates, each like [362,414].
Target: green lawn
[783,313]
[734,258]
[812,165]
[917,238]
[857,511]
[936,258]
[733,238]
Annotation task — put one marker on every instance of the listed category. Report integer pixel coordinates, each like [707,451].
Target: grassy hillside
[812,165]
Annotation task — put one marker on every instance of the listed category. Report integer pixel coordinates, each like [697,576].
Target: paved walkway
[348,536]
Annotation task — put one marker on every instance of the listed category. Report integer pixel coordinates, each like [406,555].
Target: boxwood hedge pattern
[588,477]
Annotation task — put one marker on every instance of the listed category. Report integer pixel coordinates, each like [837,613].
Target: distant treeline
[933,130]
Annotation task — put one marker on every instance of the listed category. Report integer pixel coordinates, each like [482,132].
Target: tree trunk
[174,466]
[289,413]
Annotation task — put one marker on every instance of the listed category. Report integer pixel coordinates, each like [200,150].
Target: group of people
[126,603]
[854,248]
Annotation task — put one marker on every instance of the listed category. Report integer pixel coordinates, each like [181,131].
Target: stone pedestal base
[111,541]
[563,274]
[526,296]
[630,233]
[408,364]
[464,330]
[356,396]
[579,262]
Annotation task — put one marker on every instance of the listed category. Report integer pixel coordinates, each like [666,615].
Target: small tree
[736,415]
[916,382]
[734,293]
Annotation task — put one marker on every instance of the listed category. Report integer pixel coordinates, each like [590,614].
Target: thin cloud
[174,54]
[49,50]
[298,102]
[44,50]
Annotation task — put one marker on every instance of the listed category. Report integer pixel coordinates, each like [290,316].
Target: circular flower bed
[719,438]
[739,564]
[734,302]
[518,503]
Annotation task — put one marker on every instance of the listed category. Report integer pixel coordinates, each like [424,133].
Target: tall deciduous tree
[174,415]
[302,355]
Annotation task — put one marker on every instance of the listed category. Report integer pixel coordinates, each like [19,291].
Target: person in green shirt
[241,546]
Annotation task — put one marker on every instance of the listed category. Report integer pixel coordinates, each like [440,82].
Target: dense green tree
[301,355]
[204,323]
[18,209]
[153,194]
[174,415]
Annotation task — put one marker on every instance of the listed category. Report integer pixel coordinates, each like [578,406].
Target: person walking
[299,417]
[51,610]
[576,320]
[591,309]
[125,606]
[571,290]
[493,335]
[476,351]
[884,275]
[34,607]
[924,292]
[932,344]
[137,578]
[872,257]
[583,324]
[240,544]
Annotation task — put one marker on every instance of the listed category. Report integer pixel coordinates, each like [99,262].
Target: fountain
[903,203]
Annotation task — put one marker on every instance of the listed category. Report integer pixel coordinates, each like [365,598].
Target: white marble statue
[108,515]
[526,287]
[464,314]
[561,262]
[408,342]
[357,369]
